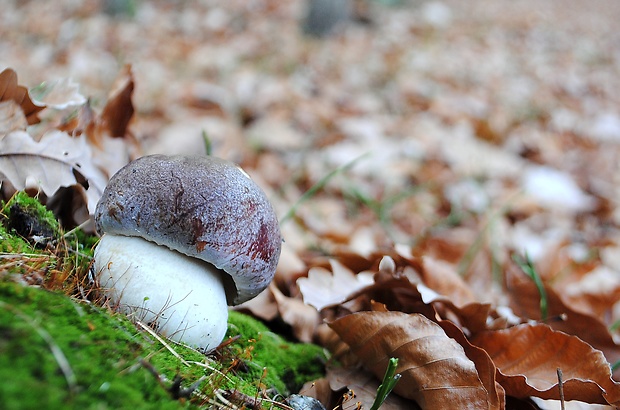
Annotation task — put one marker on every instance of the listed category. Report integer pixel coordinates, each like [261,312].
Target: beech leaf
[528,356]
[51,163]
[435,370]
[589,328]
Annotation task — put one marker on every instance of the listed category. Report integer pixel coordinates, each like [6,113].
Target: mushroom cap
[203,207]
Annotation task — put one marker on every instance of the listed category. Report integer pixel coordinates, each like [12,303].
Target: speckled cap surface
[204,207]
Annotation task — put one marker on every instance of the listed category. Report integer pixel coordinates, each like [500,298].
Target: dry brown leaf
[10,90]
[118,111]
[443,278]
[525,301]
[302,318]
[399,293]
[50,163]
[485,366]
[435,370]
[323,288]
[12,117]
[528,356]
[262,306]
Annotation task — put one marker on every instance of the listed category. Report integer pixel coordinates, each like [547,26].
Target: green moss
[29,219]
[33,245]
[39,330]
[288,365]
[56,353]
[59,353]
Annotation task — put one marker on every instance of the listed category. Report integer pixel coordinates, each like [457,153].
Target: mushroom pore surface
[203,207]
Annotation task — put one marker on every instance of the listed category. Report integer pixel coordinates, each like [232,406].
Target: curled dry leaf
[53,162]
[435,370]
[528,356]
[303,319]
[443,278]
[10,90]
[119,110]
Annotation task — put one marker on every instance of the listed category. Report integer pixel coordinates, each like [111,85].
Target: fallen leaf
[10,90]
[435,370]
[58,94]
[443,278]
[118,111]
[323,288]
[525,301]
[485,366]
[50,163]
[12,117]
[302,318]
[527,358]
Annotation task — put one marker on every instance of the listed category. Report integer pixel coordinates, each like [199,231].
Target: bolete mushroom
[182,238]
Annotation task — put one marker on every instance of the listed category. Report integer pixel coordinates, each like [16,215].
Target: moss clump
[288,365]
[35,247]
[28,219]
[56,353]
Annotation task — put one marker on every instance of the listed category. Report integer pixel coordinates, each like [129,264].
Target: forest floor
[459,145]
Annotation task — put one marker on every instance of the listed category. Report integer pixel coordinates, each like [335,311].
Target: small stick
[162,341]
[561,387]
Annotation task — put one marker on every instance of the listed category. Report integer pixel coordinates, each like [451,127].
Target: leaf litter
[433,142]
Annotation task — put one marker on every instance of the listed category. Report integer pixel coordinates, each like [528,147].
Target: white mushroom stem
[182,298]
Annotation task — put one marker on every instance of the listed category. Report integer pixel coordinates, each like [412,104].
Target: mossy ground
[60,351]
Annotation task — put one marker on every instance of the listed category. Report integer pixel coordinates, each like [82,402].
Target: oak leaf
[12,117]
[10,90]
[323,288]
[435,370]
[57,160]
[528,357]
[59,94]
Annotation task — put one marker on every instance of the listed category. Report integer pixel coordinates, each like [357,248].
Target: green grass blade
[389,381]
[312,191]
[526,264]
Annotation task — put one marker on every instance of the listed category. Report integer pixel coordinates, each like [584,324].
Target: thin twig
[561,387]
[162,341]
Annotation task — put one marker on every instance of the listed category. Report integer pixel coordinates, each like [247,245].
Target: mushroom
[182,238]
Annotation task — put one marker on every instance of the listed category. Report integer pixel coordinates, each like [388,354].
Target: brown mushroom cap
[203,207]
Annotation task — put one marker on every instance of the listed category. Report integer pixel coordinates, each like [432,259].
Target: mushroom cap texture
[204,207]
